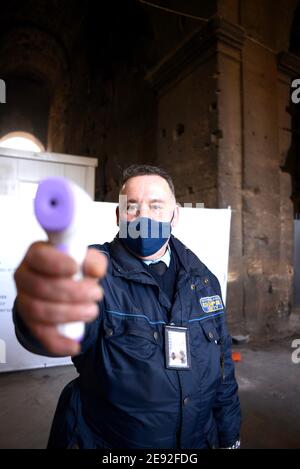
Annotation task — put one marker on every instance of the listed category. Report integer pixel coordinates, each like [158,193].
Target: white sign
[205,231]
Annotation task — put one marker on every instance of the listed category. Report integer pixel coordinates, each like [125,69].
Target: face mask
[145,236]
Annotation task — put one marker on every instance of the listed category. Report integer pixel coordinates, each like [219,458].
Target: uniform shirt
[167,279]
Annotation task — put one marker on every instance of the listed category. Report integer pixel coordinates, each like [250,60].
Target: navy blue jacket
[125,397]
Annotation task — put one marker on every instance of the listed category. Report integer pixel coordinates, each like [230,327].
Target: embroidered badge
[210,304]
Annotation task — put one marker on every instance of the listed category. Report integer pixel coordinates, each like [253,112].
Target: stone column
[288,68]
[200,130]
[230,150]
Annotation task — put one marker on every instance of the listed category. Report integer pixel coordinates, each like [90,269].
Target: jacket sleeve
[226,409]
[30,343]
[24,336]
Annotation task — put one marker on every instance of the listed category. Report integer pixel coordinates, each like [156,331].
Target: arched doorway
[21,141]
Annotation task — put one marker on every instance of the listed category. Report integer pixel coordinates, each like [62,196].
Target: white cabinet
[21,171]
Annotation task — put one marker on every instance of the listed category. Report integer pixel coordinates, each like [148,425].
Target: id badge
[177,349]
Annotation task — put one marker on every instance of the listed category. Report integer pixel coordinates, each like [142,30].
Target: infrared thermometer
[63,210]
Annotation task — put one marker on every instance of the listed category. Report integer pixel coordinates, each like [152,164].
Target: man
[160,303]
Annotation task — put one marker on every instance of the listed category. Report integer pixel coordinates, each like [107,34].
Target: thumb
[95,264]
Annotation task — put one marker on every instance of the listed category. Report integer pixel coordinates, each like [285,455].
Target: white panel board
[205,231]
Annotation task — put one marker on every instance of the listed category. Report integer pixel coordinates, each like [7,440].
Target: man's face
[147,196]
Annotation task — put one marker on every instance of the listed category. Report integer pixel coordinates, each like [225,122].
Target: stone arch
[37,144]
[40,70]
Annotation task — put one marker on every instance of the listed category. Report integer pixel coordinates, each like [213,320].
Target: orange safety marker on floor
[236,356]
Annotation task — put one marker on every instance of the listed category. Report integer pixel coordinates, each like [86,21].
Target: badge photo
[177,351]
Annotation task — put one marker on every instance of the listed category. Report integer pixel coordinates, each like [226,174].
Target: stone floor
[269,385]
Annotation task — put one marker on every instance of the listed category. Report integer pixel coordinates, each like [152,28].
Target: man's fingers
[48,295]
[50,313]
[47,260]
[55,343]
[57,289]
[95,264]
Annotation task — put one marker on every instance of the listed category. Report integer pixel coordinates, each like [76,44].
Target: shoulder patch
[209,304]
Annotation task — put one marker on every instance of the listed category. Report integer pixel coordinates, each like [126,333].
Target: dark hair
[145,170]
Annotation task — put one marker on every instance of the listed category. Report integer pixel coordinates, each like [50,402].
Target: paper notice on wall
[204,231]
[19,229]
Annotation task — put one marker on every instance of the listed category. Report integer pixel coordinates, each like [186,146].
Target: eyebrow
[151,201]
[157,200]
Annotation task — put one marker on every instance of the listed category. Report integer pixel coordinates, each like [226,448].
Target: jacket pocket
[210,331]
[206,351]
[132,337]
[204,338]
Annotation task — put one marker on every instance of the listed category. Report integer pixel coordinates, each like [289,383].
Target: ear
[117,215]
[176,216]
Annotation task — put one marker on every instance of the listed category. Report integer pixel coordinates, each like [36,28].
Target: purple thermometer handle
[54,209]
[62,248]
[54,204]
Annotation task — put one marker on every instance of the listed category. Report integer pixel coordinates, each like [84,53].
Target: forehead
[146,187]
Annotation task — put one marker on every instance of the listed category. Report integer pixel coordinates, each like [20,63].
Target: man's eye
[132,207]
[156,207]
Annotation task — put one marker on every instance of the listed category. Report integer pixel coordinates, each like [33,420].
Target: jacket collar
[128,265]
[124,263]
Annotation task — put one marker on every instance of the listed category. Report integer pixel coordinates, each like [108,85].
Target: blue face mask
[144,236]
